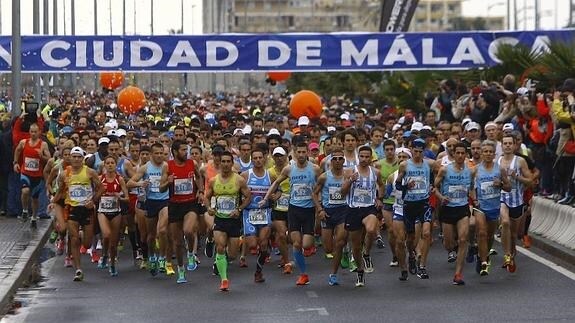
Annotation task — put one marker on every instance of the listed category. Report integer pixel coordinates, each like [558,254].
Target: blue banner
[267,52]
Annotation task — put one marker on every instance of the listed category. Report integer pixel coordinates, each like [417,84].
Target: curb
[553,248]
[21,270]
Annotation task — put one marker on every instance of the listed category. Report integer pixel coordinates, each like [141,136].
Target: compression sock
[299,260]
[222,265]
[261,260]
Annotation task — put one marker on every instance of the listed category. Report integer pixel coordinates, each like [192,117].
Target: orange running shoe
[512,266]
[225,285]
[83,250]
[243,262]
[526,242]
[302,280]
[287,268]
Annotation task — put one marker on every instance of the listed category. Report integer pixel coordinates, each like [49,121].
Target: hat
[279,150]
[67,130]
[416,126]
[77,151]
[406,134]
[247,129]
[465,121]
[522,91]
[112,133]
[238,131]
[274,131]
[472,126]
[508,127]
[568,85]
[109,114]
[103,140]
[401,120]
[396,127]
[418,143]
[303,121]
[217,149]
[121,132]
[344,116]
[331,129]
[426,127]
[403,150]
[313,146]
[490,124]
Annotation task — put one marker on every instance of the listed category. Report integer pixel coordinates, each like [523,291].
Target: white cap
[103,140]
[331,129]
[109,114]
[121,132]
[344,116]
[490,124]
[77,151]
[396,127]
[426,127]
[238,131]
[303,121]
[522,91]
[416,126]
[508,126]
[274,131]
[472,125]
[401,120]
[113,106]
[112,132]
[208,116]
[279,150]
[247,129]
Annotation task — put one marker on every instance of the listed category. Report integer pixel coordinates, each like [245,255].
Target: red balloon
[305,103]
[131,100]
[279,76]
[111,80]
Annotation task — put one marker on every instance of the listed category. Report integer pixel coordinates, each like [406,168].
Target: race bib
[457,194]
[488,191]
[335,196]
[420,185]
[301,192]
[282,203]
[141,194]
[257,216]
[155,183]
[226,204]
[109,204]
[183,186]
[362,197]
[80,193]
[31,164]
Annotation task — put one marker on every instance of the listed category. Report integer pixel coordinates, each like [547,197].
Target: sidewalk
[19,247]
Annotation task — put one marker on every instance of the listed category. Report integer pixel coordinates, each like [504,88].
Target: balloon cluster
[130,99]
[274,77]
[305,103]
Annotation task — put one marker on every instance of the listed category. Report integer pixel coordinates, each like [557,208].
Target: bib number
[183,186]
[488,191]
[282,203]
[335,196]
[301,192]
[155,184]
[257,216]
[226,204]
[420,185]
[362,197]
[457,194]
[109,204]
[80,193]
[31,164]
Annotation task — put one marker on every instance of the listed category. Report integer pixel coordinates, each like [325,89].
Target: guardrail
[553,221]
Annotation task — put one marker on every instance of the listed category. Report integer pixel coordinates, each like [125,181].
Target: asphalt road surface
[535,293]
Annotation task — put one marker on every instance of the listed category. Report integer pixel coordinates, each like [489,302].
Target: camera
[31,108]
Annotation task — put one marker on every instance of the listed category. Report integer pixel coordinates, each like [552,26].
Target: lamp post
[16,59]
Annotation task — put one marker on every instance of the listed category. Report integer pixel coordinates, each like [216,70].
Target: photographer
[564,112]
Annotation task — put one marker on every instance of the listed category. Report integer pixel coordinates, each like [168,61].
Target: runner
[402,154]
[227,188]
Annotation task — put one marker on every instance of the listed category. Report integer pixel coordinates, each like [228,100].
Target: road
[535,293]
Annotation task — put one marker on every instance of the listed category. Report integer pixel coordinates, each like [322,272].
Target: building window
[435,7]
[342,21]
[267,5]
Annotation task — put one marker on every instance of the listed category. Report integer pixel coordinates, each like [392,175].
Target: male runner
[388,166]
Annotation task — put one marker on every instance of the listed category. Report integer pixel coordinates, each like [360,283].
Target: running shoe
[169,269]
[103,262]
[344,260]
[67,262]
[259,277]
[209,249]
[352,266]
[394,262]
[192,265]
[60,247]
[53,236]
[379,242]
[78,276]
[23,217]
[492,252]
[403,276]
[484,269]
[153,266]
[412,265]
[144,264]
[276,251]
[332,280]
[162,264]
[451,256]
[368,264]
[83,250]
[471,252]
[287,268]
[506,262]
[139,254]
[181,276]
[243,262]
[512,266]
[113,271]
[360,282]
[422,273]
[526,241]
[458,280]
[303,279]
[329,256]
[225,285]
[95,256]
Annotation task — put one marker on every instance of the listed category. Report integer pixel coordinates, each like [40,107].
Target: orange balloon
[111,80]
[131,100]
[279,76]
[305,103]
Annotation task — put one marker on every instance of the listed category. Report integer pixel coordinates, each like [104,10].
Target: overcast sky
[167,13]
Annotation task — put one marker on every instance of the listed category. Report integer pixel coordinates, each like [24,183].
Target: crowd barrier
[553,221]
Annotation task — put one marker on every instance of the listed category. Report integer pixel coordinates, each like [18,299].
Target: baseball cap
[401,120]
[103,140]
[313,146]
[490,124]
[331,129]
[508,127]
[77,151]
[112,132]
[406,134]
[247,130]
[303,121]
[344,116]
[274,131]
[472,126]
[416,126]
[395,127]
[238,131]
[280,151]
[418,143]
[426,127]
[121,132]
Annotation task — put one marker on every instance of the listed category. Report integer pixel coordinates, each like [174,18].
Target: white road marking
[311,294]
[320,310]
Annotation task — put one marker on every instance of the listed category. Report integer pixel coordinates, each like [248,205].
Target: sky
[167,15]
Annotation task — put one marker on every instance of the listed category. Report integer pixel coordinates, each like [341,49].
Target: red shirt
[30,162]
[183,188]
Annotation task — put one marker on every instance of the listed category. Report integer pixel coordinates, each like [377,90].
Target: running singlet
[154,175]
[302,182]
[398,203]
[331,192]
[258,187]
[488,195]
[79,187]
[421,175]
[351,163]
[282,203]
[226,195]
[456,185]
[363,191]
[387,169]
[31,161]
[244,166]
[109,202]
[183,188]
[97,161]
[514,197]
